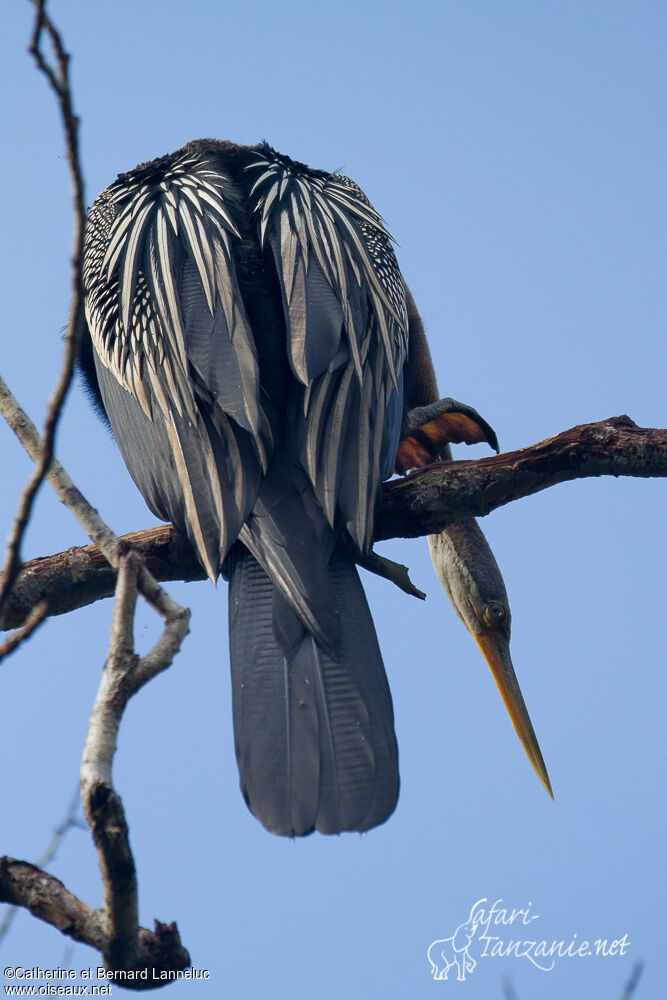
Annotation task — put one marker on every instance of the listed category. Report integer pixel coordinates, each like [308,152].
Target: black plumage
[249,332]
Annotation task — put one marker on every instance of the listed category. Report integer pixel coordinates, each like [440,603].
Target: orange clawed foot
[427,429]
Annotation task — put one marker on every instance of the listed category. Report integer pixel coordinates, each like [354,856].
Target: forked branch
[134,952]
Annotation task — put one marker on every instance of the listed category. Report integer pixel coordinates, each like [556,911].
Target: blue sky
[516,151]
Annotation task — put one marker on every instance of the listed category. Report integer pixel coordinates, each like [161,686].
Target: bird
[252,344]
[461,555]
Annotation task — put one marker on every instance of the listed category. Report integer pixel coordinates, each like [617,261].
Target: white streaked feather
[188,190]
[318,396]
[128,276]
[337,424]
[260,180]
[288,250]
[216,487]
[195,249]
[205,245]
[139,391]
[218,206]
[175,393]
[298,332]
[330,220]
[190,500]
[223,284]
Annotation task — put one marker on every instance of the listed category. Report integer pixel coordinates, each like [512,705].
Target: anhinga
[257,355]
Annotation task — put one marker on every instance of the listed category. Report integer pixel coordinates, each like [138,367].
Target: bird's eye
[494,613]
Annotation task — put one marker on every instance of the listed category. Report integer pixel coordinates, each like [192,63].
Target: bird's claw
[426,429]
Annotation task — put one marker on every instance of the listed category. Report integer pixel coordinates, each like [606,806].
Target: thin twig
[59,834]
[37,616]
[59,80]
[631,984]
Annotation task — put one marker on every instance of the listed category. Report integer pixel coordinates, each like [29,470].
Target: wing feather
[347,347]
[169,324]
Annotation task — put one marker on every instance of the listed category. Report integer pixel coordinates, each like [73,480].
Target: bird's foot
[426,429]
[395,572]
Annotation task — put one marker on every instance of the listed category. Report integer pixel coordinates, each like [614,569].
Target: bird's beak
[496,651]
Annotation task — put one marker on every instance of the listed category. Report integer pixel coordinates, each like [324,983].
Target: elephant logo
[454,950]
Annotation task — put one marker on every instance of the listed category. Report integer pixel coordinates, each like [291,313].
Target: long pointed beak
[496,652]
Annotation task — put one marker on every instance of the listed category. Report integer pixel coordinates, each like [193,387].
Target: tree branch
[45,896]
[422,503]
[58,78]
[107,542]
[114,930]
[124,674]
[26,885]
[426,501]
[34,618]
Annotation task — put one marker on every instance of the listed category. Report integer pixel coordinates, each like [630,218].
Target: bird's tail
[313,724]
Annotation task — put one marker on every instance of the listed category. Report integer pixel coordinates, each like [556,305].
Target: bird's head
[469,573]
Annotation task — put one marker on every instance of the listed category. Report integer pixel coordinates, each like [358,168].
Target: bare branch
[114,930]
[102,806]
[26,885]
[108,543]
[35,618]
[430,499]
[419,504]
[124,674]
[423,503]
[81,575]
[58,78]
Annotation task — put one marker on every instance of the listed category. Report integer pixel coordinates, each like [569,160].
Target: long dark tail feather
[314,731]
